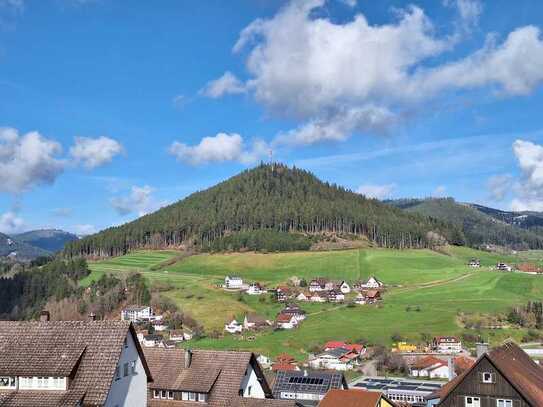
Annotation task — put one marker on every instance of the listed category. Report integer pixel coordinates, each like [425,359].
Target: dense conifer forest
[269,197]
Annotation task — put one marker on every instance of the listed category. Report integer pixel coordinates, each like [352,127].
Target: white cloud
[499,186]
[94,152]
[316,70]
[179,101]
[350,3]
[219,148]
[226,84]
[84,229]
[139,201]
[468,10]
[27,161]
[439,191]
[528,188]
[11,223]
[377,191]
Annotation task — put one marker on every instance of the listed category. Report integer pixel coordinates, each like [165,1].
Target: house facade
[344,287]
[233,327]
[432,368]
[136,313]
[208,378]
[72,363]
[447,344]
[233,282]
[504,377]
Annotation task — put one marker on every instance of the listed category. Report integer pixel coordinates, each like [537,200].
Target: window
[170,395]
[192,396]
[117,373]
[488,377]
[504,403]
[125,369]
[163,394]
[8,382]
[133,367]
[249,390]
[473,402]
[126,342]
[156,394]
[202,397]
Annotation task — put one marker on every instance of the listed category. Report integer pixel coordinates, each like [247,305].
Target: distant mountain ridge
[50,240]
[269,197]
[19,250]
[481,225]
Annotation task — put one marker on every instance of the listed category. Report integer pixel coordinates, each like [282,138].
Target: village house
[503,267]
[136,313]
[355,347]
[303,296]
[474,263]
[168,344]
[447,344]
[255,321]
[306,387]
[255,289]
[432,368]
[335,296]
[295,311]
[264,361]
[360,299]
[286,321]
[317,297]
[159,325]
[504,377]
[355,398]
[370,283]
[405,347]
[71,363]
[209,378]
[335,359]
[233,327]
[344,287]
[372,296]
[152,340]
[282,293]
[180,335]
[320,284]
[233,282]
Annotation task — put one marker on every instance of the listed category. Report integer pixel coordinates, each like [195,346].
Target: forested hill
[19,250]
[480,225]
[268,197]
[51,240]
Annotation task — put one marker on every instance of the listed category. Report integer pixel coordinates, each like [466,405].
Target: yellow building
[405,347]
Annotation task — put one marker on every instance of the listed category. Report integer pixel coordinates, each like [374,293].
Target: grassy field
[437,285]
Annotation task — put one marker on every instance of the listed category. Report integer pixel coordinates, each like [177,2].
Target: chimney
[482,348]
[45,316]
[452,373]
[92,316]
[188,358]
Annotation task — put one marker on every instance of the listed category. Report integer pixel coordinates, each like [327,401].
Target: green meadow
[426,291]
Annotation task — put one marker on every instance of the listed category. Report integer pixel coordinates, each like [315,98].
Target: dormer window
[488,377]
[8,382]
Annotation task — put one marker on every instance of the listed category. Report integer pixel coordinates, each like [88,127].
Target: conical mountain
[270,197]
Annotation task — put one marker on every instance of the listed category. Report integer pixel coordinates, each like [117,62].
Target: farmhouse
[136,313]
[474,263]
[233,327]
[255,289]
[335,296]
[360,299]
[180,335]
[255,321]
[338,344]
[295,311]
[285,321]
[303,296]
[503,267]
[210,378]
[317,297]
[306,387]
[335,359]
[430,367]
[233,282]
[320,284]
[71,363]
[504,377]
[355,398]
[447,344]
[372,296]
[371,283]
[152,340]
[344,287]
[282,293]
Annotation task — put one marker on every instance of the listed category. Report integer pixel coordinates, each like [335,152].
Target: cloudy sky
[109,111]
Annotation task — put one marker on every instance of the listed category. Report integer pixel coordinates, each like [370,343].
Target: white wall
[251,379]
[130,391]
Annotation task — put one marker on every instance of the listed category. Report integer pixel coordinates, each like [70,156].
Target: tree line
[268,197]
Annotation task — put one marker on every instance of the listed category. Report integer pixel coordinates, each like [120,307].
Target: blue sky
[108,111]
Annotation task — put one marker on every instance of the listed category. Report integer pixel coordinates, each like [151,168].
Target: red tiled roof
[283,366]
[427,362]
[351,398]
[285,358]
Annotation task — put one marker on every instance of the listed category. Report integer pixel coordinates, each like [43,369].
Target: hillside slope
[52,240]
[526,219]
[19,250]
[272,197]
[478,226]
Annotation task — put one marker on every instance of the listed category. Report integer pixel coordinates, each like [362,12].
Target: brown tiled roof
[218,373]
[427,362]
[248,402]
[33,398]
[515,365]
[87,351]
[351,398]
